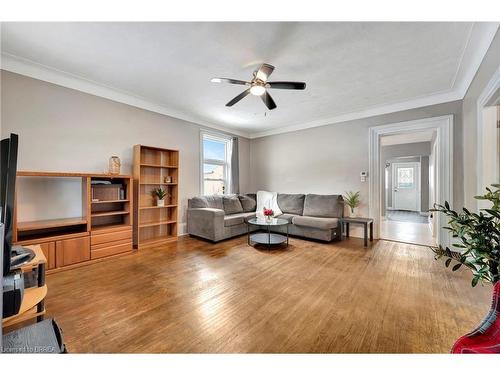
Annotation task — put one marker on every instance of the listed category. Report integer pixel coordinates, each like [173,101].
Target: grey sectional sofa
[218,217]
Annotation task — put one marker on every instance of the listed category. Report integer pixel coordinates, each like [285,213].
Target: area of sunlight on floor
[407,231]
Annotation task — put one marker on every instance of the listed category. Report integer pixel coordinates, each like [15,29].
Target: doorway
[405,215]
[422,175]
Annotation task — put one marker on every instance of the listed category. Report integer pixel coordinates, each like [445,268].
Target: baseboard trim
[182,229]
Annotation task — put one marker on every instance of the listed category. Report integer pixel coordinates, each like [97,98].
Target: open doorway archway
[443,126]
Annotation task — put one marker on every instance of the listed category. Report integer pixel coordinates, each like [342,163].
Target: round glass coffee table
[265,234]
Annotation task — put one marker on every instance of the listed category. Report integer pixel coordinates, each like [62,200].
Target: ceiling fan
[259,85]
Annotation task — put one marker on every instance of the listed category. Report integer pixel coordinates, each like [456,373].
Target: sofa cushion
[207,201]
[232,204]
[252,195]
[236,219]
[291,203]
[248,203]
[288,217]
[323,205]
[316,222]
[198,202]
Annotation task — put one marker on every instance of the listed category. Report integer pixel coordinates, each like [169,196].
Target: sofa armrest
[206,222]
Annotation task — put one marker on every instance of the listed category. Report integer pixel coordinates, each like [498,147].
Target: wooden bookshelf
[155,167]
[103,230]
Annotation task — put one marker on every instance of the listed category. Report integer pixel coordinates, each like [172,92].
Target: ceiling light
[257,90]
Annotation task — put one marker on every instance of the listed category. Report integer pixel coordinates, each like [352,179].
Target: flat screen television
[13,256]
[8,169]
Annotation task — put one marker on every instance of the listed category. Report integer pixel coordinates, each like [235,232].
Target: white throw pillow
[267,199]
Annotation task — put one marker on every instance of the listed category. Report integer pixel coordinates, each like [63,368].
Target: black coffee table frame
[264,235]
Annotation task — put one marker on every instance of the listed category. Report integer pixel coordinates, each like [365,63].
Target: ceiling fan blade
[264,72]
[229,80]
[238,98]
[268,100]
[286,85]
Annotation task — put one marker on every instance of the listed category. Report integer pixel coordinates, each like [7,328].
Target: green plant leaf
[474,281]
[456,267]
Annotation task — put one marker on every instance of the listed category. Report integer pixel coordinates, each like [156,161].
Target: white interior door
[405,186]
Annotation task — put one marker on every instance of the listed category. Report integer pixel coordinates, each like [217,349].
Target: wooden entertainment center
[103,230]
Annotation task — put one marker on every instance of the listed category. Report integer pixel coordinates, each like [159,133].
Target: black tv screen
[8,170]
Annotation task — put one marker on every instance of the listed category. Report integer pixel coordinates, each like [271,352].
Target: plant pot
[486,337]
[160,202]
[352,212]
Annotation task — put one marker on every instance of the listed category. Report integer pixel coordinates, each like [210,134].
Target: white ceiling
[352,70]
[397,139]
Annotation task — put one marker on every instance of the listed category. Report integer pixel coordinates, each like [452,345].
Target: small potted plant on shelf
[352,200]
[268,213]
[477,237]
[160,195]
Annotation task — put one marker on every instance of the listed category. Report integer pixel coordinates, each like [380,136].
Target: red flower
[268,212]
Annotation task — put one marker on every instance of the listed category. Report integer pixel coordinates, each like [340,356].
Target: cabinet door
[71,251]
[49,250]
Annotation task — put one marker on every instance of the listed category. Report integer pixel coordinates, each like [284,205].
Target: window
[405,178]
[215,155]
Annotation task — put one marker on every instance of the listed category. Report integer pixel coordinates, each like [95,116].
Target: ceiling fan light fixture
[257,90]
[259,86]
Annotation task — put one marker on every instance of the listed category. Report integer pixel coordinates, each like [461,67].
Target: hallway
[406,226]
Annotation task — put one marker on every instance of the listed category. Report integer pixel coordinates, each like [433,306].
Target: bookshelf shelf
[112,201]
[155,167]
[158,183]
[109,213]
[51,223]
[158,166]
[157,207]
[156,223]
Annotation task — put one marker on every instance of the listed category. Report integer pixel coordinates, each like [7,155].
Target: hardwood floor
[414,233]
[194,296]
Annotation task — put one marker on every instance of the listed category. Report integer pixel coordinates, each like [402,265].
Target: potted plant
[268,213]
[478,238]
[160,195]
[352,200]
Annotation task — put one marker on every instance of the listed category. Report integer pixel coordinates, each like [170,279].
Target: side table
[365,221]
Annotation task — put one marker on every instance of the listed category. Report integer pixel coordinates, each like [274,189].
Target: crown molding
[480,37]
[41,72]
[448,96]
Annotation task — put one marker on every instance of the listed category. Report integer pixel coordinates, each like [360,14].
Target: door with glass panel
[405,186]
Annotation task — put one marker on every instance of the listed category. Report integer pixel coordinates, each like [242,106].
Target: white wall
[62,129]
[490,64]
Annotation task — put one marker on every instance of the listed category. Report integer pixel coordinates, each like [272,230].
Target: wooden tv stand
[33,303]
[104,229]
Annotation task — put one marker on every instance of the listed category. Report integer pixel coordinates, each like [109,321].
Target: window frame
[217,137]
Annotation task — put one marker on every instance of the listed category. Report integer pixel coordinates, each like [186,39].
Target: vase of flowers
[160,195]
[352,200]
[478,240]
[268,213]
